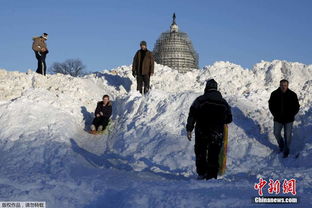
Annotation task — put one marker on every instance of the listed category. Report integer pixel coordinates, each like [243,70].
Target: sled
[223,152]
[107,130]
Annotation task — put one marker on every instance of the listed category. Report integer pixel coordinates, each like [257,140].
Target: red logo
[289,186]
[275,187]
[259,186]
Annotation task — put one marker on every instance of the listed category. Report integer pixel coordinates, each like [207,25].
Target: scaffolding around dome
[175,49]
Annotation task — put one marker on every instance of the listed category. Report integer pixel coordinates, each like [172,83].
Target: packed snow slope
[145,159]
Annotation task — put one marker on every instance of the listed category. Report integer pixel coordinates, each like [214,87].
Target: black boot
[286,153]
[201,177]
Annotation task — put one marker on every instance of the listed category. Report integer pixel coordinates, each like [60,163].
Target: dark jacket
[284,106]
[147,66]
[106,110]
[210,112]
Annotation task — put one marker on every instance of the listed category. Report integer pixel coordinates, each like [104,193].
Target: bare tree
[73,67]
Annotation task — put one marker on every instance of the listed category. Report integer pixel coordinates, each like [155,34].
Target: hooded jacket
[106,110]
[39,44]
[209,112]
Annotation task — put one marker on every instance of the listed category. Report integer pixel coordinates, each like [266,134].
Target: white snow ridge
[46,153]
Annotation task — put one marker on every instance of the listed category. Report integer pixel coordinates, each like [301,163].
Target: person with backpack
[283,105]
[209,112]
[143,67]
[40,48]
[102,113]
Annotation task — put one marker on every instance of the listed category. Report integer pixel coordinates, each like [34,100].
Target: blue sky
[106,34]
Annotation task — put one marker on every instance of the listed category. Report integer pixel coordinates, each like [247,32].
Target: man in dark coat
[143,67]
[283,105]
[102,113]
[39,46]
[210,112]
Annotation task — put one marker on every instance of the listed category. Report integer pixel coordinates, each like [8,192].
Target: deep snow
[146,160]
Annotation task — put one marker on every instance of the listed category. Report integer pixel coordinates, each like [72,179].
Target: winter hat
[211,84]
[143,42]
[45,36]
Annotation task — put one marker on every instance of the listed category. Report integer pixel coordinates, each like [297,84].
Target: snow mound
[145,160]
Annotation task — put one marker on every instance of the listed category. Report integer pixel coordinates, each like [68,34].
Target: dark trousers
[42,67]
[143,80]
[100,121]
[207,150]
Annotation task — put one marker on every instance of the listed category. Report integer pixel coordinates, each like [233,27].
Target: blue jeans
[283,143]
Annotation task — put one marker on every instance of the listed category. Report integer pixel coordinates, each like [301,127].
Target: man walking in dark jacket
[143,67]
[40,48]
[283,105]
[209,112]
[102,113]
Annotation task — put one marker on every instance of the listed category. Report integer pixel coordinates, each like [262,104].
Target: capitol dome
[175,49]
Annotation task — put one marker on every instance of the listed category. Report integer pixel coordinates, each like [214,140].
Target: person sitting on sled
[102,113]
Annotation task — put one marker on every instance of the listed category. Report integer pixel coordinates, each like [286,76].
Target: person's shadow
[116,81]
[251,128]
[113,160]
[302,133]
[87,117]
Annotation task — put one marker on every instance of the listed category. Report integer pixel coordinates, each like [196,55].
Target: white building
[175,49]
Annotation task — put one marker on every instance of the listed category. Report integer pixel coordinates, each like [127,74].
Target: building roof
[175,49]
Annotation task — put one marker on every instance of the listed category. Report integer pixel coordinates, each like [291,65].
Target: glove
[189,135]
[134,73]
